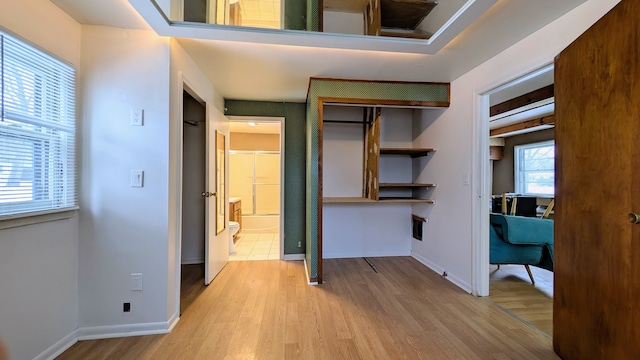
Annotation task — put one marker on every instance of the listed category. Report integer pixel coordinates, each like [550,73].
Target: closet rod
[343,122]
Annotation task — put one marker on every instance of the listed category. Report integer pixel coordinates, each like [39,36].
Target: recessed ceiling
[271,72]
[115,13]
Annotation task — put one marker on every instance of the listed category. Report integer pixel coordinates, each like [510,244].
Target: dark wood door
[597,248]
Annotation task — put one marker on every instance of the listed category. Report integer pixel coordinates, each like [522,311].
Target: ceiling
[260,71]
[258,127]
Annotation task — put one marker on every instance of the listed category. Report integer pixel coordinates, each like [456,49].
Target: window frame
[518,171]
[50,140]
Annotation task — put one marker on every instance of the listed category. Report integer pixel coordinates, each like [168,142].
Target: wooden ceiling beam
[522,100]
[545,120]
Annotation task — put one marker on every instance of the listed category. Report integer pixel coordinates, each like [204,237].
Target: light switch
[137,178]
[137,117]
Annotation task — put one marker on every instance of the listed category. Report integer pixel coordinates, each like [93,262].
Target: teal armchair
[521,240]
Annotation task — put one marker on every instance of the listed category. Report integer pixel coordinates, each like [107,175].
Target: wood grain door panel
[597,249]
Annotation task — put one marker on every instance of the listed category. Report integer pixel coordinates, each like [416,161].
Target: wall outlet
[136,282]
[299,243]
[137,117]
[126,307]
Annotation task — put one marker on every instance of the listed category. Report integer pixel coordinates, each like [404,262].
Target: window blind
[534,168]
[37,130]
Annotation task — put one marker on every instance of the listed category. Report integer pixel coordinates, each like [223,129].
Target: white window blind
[535,168]
[37,131]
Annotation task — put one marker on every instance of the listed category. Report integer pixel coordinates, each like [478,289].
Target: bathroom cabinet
[235,212]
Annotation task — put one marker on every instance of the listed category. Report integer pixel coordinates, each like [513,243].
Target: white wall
[39,263]
[343,22]
[448,237]
[123,229]
[342,149]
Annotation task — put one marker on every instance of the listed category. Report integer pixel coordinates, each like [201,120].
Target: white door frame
[482,184]
[280,120]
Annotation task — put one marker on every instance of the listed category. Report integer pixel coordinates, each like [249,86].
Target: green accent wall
[295,15]
[294,166]
[379,91]
[313,15]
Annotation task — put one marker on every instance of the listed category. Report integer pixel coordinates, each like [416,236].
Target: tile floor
[256,247]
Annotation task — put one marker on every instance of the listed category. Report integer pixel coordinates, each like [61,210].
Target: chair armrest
[523,230]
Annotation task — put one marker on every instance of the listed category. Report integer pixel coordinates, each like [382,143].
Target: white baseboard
[292,257]
[115,331]
[192,261]
[452,278]
[347,255]
[59,347]
[306,272]
[173,321]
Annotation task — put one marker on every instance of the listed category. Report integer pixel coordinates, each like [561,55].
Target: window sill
[13,221]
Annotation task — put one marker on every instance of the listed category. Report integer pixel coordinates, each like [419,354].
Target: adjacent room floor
[249,246]
[510,289]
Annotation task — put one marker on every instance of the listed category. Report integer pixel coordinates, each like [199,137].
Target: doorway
[193,206]
[256,188]
[520,183]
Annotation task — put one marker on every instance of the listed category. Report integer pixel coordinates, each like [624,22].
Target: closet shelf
[413,152]
[362,200]
[354,200]
[405,200]
[405,185]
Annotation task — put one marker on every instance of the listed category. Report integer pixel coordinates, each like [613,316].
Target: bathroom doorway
[256,173]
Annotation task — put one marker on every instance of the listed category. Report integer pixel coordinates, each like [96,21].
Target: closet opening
[193,238]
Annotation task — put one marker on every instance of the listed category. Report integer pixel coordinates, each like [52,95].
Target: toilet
[233,229]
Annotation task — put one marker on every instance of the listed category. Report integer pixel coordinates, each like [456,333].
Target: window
[37,131]
[534,168]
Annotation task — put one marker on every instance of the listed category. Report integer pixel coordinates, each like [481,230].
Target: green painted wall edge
[294,167]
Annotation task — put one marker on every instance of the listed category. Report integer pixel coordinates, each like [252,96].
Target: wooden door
[597,248]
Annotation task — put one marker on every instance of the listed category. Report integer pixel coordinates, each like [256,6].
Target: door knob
[206,194]
[634,218]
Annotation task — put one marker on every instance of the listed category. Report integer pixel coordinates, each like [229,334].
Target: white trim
[126,330]
[193,260]
[59,347]
[347,255]
[173,321]
[306,272]
[293,257]
[481,188]
[438,270]
[37,218]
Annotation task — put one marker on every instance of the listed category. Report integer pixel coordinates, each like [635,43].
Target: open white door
[216,244]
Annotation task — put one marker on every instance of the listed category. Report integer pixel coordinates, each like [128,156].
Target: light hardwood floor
[511,289]
[265,310]
[191,285]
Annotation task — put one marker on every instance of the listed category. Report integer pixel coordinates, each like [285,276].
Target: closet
[367,166]
[372,175]
[383,140]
